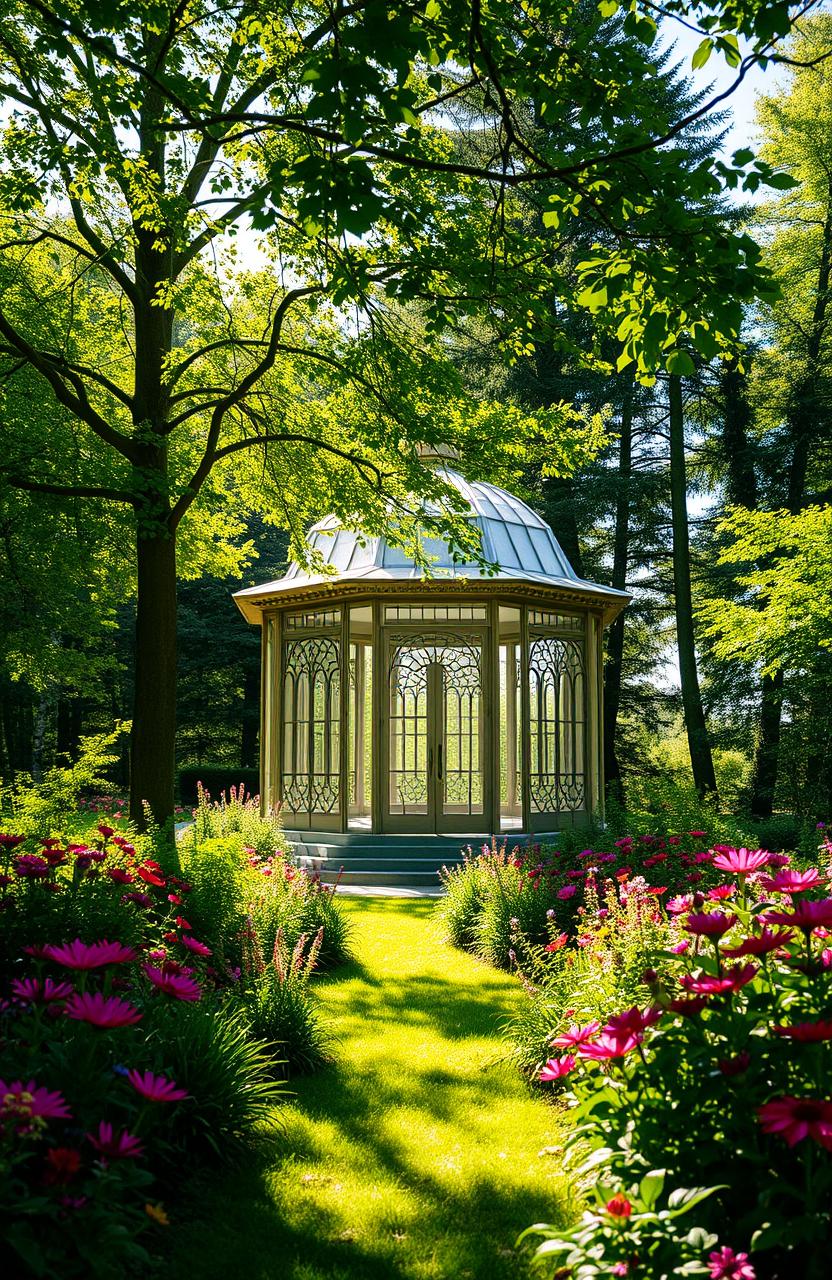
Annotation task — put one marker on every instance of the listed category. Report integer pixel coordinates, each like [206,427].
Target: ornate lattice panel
[311,725]
[435,725]
[557,716]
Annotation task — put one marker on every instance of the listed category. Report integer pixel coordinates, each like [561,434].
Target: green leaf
[551,218]
[680,363]
[702,54]
[651,1187]
[608,8]
[781,181]
[744,156]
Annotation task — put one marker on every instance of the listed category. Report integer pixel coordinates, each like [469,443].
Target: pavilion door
[435,732]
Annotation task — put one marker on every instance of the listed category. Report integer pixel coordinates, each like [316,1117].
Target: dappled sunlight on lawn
[419,1153]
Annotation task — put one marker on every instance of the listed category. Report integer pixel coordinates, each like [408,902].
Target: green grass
[418,1155]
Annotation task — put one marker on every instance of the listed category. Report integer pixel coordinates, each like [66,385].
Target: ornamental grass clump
[280,1006]
[720,1075]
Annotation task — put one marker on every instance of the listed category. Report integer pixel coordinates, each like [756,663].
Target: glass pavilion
[461,702]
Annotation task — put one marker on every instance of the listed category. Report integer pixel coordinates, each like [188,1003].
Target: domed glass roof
[514,537]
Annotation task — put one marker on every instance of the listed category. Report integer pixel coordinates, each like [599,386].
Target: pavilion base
[405,861]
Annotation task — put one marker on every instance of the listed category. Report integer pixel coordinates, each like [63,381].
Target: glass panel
[435,613]
[311,725]
[556,725]
[312,620]
[461,760]
[408,729]
[558,621]
[360,719]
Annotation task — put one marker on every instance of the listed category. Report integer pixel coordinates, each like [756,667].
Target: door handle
[430,762]
[439,761]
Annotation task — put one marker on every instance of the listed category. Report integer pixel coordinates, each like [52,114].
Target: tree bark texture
[153,741]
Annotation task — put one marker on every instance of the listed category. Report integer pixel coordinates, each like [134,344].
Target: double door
[435,731]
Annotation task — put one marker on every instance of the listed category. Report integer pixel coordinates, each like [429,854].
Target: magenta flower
[721,892]
[679,948]
[709,924]
[31,866]
[797,1118]
[688,1006]
[101,1011]
[198,948]
[179,985]
[741,861]
[806,1032]
[788,880]
[156,1088]
[679,905]
[9,841]
[705,984]
[607,1047]
[804,914]
[115,1146]
[119,876]
[38,992]
[575,1035]
[568,891]
[557,1068]
[22,1102]
[724,1264]
[79,955]
[760,944]
[632,1022]
[735,1066]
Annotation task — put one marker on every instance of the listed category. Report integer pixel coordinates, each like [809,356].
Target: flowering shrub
[720,1072]
[237,813]
[277,997]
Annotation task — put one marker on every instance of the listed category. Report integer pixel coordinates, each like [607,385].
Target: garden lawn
[417,1154]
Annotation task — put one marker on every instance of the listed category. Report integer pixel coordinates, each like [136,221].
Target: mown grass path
[417,1155]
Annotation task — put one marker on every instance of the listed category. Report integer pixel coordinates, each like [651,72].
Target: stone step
[427,840]
[334,861]
[400,879]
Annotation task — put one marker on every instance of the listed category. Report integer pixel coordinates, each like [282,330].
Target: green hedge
[216,778]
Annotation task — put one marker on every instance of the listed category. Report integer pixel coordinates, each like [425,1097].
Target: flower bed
[138,1023]
[703,1097]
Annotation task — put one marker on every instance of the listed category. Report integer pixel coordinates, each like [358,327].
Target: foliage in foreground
[721,1079]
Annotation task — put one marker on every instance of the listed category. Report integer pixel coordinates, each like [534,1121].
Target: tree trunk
[615,639]
[153,739]
[767,750]
[698,742]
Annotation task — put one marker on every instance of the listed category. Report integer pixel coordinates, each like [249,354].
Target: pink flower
[741,861]
[791,881]
[156,1088]
[78,955]
[804,914]
[575,1035]
[678,905]
[40,992]
[760,944]
[797,1118]
[101,1011]
[709,924]
[115,1146]
[806,1032]
[568,891]
[198,948]
[632,1022]
[23,1102]
[706,984]
[721,892]
[174,984]
[557,1068]
[607,1047]
[724,1264]
[680,948]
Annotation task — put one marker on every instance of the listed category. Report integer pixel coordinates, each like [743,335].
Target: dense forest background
[709,500]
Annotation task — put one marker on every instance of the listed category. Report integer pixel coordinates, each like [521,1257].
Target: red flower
[106,831]
[79,955]
[557,1068]
[198,948]
[787,880]
[115,1146]
[721,892]
[632,1022]
[31,866]
[709,924]
[174,984]
[118,875]
[182,923]
[735,1066]
[175,899]
[575,1035]
[556,943]
[760,944]
[724,1264]
[149,876]
[10,842]
[62,1164]
[156,1088]
[140,899]
[797,1118]
[741,861]
[806,1032]
[619,1207]
[101,1011]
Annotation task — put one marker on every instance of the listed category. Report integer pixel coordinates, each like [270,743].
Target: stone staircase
[380,861]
